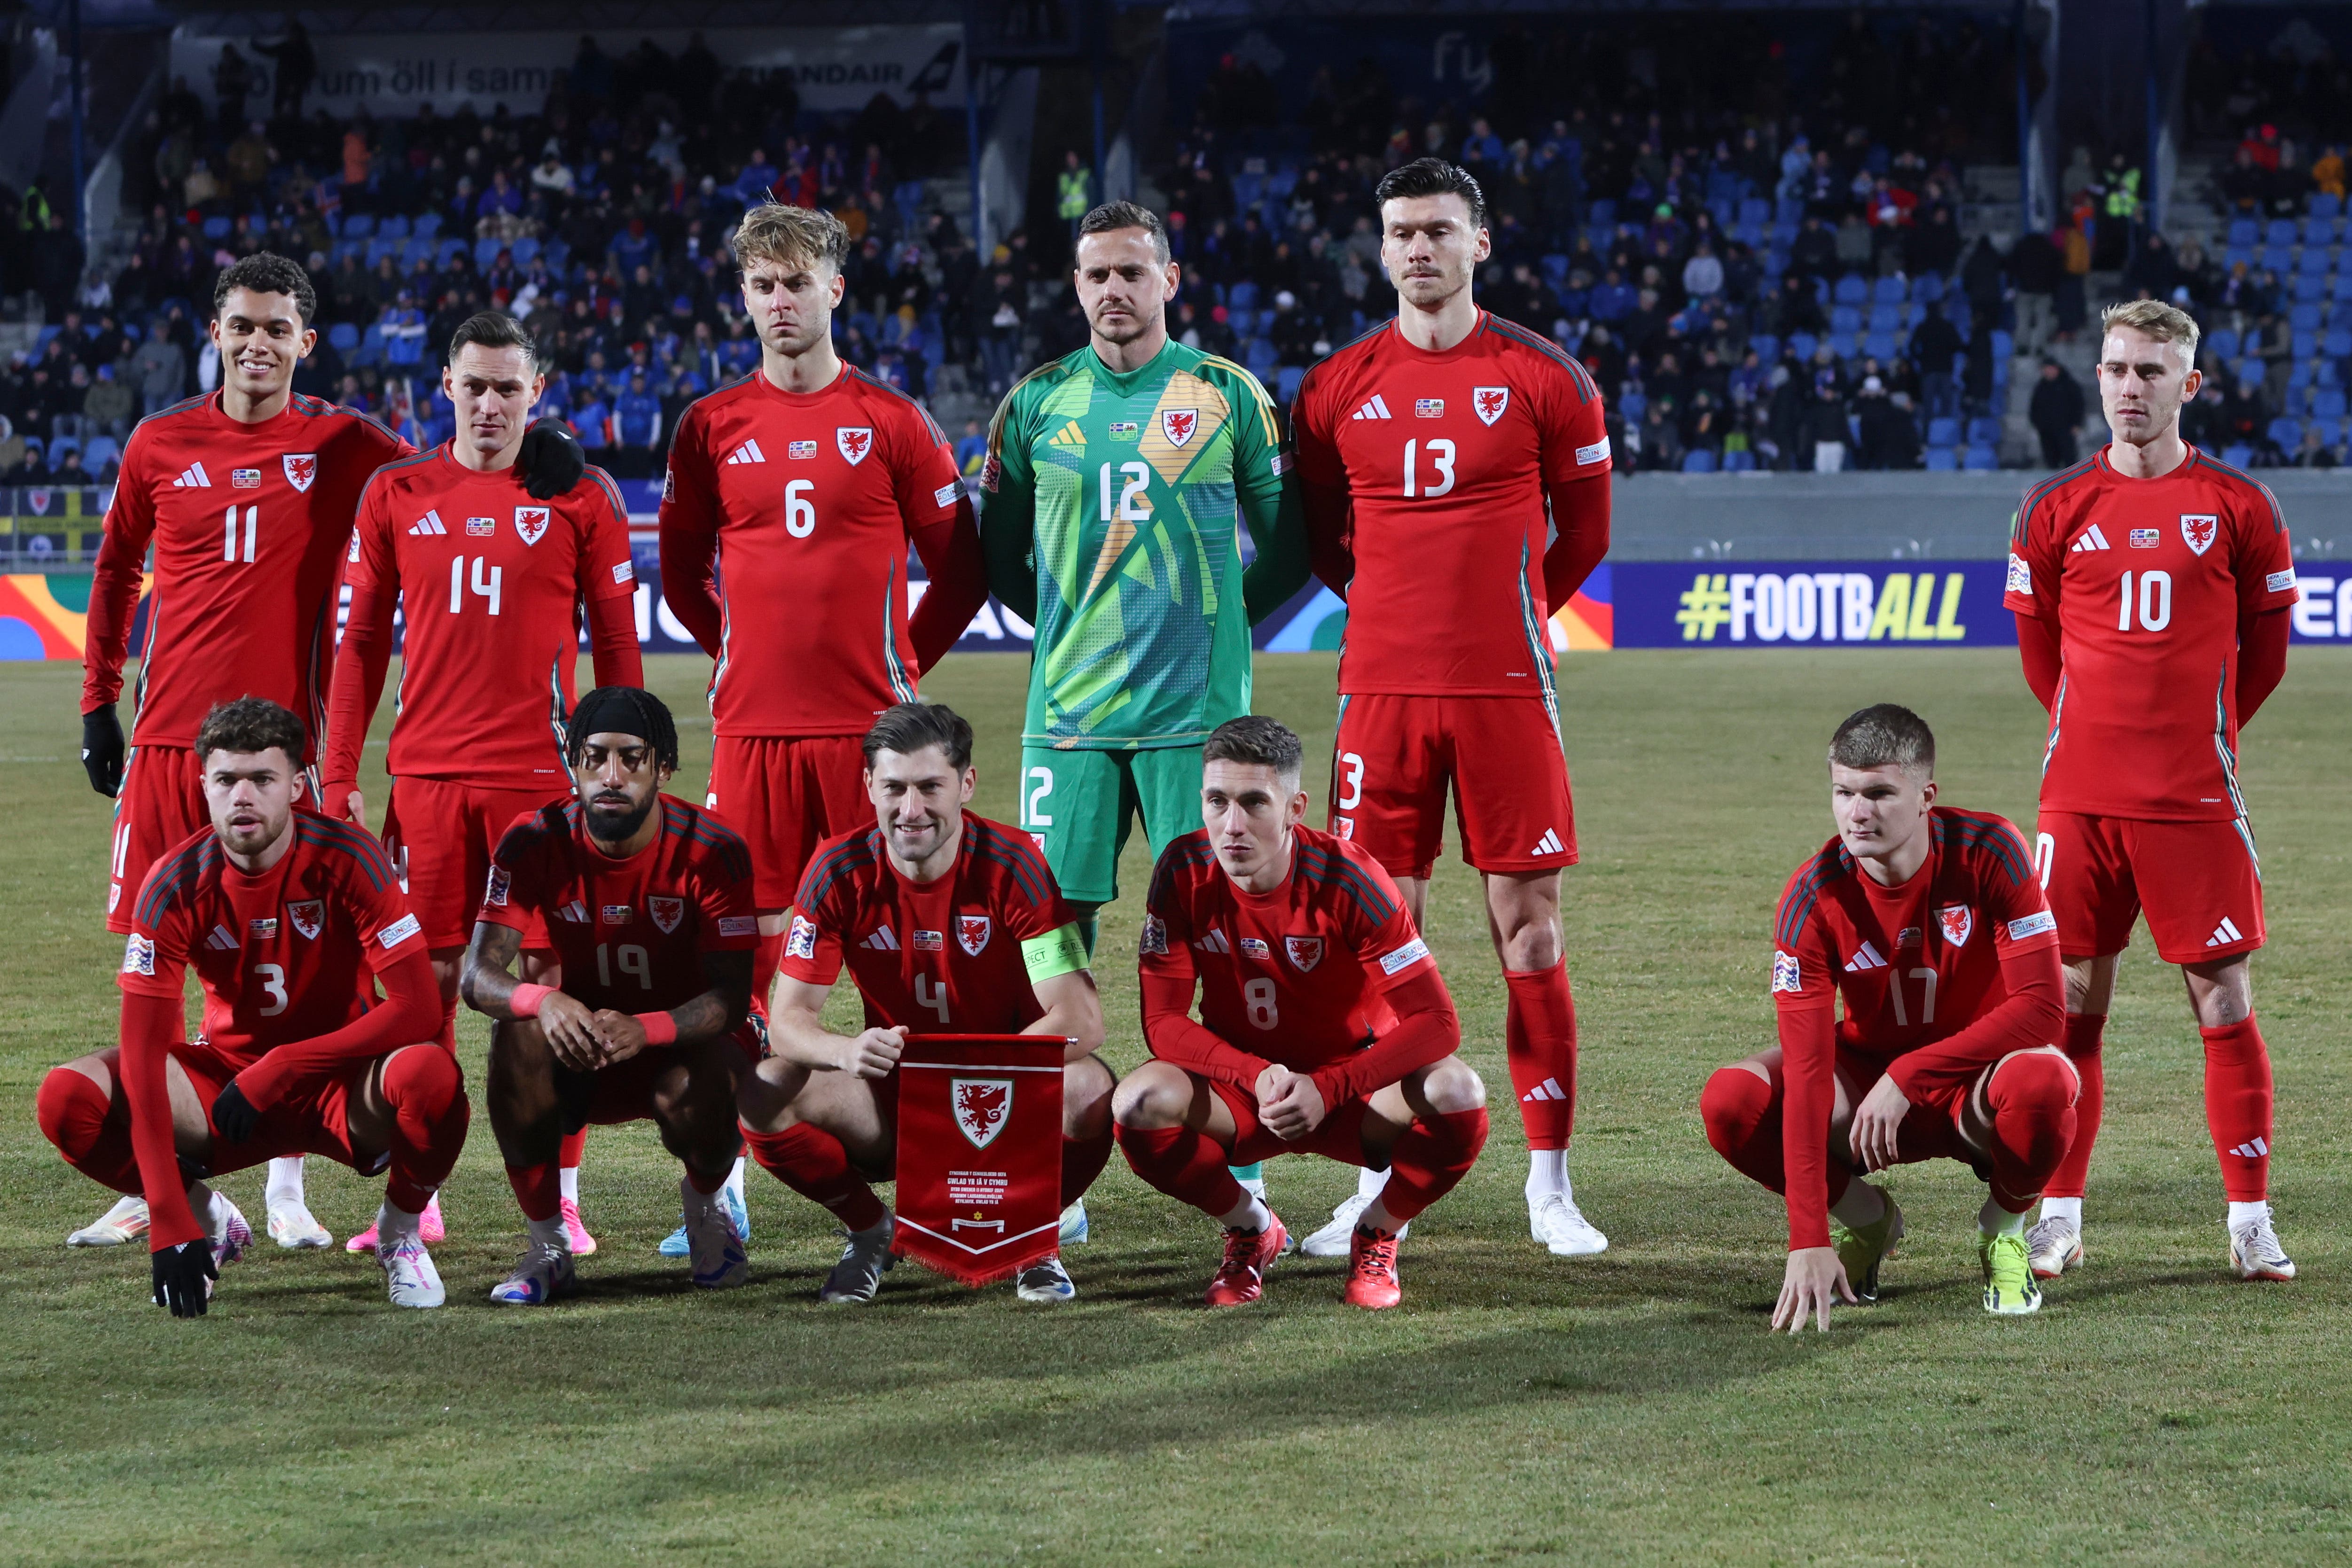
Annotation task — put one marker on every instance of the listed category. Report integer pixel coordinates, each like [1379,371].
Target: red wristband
[524,1002]
[660,1028]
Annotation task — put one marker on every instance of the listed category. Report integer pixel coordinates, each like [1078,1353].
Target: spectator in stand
[161,369]
[1889,438]
[2314,452]
[1824,437]
[637,428]
[107,408]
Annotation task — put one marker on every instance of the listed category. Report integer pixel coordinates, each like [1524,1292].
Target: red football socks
[574,1144]
[2237,1107]
[427,1091]
[1082,1161]
[2033,1097]
[1742,1112]
[811,1162]
[1185,1166]
[1430,1157]
[73,1113]
[535,1189]
[1540,1044]
[2083,1032]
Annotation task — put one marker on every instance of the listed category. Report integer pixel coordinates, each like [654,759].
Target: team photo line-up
[1941,981]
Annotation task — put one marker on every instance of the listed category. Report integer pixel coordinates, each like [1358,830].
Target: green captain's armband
[1057,952]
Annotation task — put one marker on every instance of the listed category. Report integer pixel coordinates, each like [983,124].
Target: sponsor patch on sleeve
[1060,951]
[399,931]
[139,955]
[1153,943]
[1282,462]
[1412,953]
[801,943]
[749,925]
[945,495]
[2279,581]
[1788,975]
[2021,576]
[624,571]
[502,883]
[1596,453]
[2033,925]
[991,473]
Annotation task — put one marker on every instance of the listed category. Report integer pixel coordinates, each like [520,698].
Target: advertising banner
[980,1152]
[1810,604]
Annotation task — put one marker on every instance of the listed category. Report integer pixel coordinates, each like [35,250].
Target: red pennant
[980,1152]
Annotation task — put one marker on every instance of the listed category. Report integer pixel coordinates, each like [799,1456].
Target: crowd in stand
[1755,250]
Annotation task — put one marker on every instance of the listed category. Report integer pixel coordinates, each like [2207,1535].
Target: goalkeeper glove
[101,750]
[181,1274]
[234,1117]
[552,459]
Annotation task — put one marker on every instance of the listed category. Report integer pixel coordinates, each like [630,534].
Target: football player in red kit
[1324,1028]
[494,585]
[1928,923]
[245,495]
[791,499]
[2151,585]
[1437,456]
[648,905]
[289,921]
[948,922]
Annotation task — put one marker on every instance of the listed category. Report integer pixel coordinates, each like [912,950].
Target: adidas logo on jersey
[1375,409]
[1549,1089]
[1548,844]
[192,477]
[1070,434]
[1866,960]
[2255,1150]
[2091,539]
[220,941]
[428,526]
[748,452]
[883,940]
[1214,942]
[2226,932]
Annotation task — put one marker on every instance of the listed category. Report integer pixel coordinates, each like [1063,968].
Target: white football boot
[713,1244]
[2255,1252]
[1558,1223]
[541,1275]
[1337,1237]
[2053,1246]
[126,1221]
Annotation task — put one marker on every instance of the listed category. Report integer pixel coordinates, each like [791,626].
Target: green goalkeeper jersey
[1109,508]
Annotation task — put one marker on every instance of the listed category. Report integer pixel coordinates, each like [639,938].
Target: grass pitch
[1624,1408]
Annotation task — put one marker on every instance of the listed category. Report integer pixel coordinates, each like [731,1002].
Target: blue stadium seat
[2239,457]
[486,251]
[1741,462]
[2338,344]
[1940,460]
[1889,290]
[2314,262]
[1258,355]
[61,445]
[412,250]
[2342,290]
[1784,234]
[2243,233]
[1555,268]
[1887,317]
[1853,290]
[2298,398]
[2236,254]
[1943,431]
[218,228]
[102,451]
[2303,344]
[1632,405]
[393,226]
[450,250]
[1698,460]
[2278,258]
[1879,346]
[377,249]
[343,248]
[343,337]
[1801,345]
[1845,319]
[2309,290]
[1288,388]
[428,225]
[1844,345]
[2281,232]
[359,226]
[1755,210]
[525,249]
[1242,295]
[1928,287]
[2326,204]
[1767,346]
[1602,213]
[1981,459]
[2248,369]
[1984,431]
[2285,433]
[2223,341]
[2004,348]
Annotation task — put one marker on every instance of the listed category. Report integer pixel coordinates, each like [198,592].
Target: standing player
[288,920]
[950,922]
[245,495]
[1927,922]
[1114,477]
[791,499]
[2151,585]
[1437,455]
[493,585]
[647,902]
[1324,1027]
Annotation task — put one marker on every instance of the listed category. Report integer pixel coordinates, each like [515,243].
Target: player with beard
[1455,476]
[245,495]
[647,902]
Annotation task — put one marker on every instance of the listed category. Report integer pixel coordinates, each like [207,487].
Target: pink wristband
[524,1002]
[660,1028]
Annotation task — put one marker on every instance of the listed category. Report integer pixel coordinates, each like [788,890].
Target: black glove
[234,1117]
[551,459]
[101,750]
[181,1275]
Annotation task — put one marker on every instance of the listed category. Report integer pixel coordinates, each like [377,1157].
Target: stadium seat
[428,225]
[1742,461]
[1801,346]
[101,451]
[343,337]
[1755,210]
[392,226]
[1844,345]
[1940,460]
[1258,355]
[1632,405]
[377,249]
[2303,344]
[526,250]
[1767,346]
[1926,289]
[2309,289]
[1984,431]
[2326,204]
[2304,318]
[2223,341]
[2239,457]
[414,250]
[1844,319]
[2278,258]
[451,249]
[1698,460]
[1288,388]
[2342,290]
[1889,290]
[2235,255]
[2243,233]
[359,226]
[1853,290]
[343,248]
[2004,348]
[1887,317]
[1879,346]
[486,251]
[1981,459]
[1602,213]
[2248,369]
[2314,262]
[2281,232]
[2338,344]
[2286,434]
[218,228]
[1242,295]
[1943,431]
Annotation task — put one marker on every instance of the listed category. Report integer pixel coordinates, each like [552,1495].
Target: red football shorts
[1395,756]
[1930,1129]
[2199,884]
[310,1120]
[786,795]
[625,1090]
[440,834]
[160,804]
[1339,1136]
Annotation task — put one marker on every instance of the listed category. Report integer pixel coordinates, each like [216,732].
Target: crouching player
[951,923]
[1325,1028]
[648,905]
[288,919]
[1930,924]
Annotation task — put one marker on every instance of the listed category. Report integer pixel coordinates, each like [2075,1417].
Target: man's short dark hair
[910,726]
[248,725]
[1113,215]
[1884,734]
[1433,177]
[266,272]
[622,710]
[1259,741]
[493,330]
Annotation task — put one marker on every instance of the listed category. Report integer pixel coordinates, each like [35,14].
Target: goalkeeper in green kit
[1114,481]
